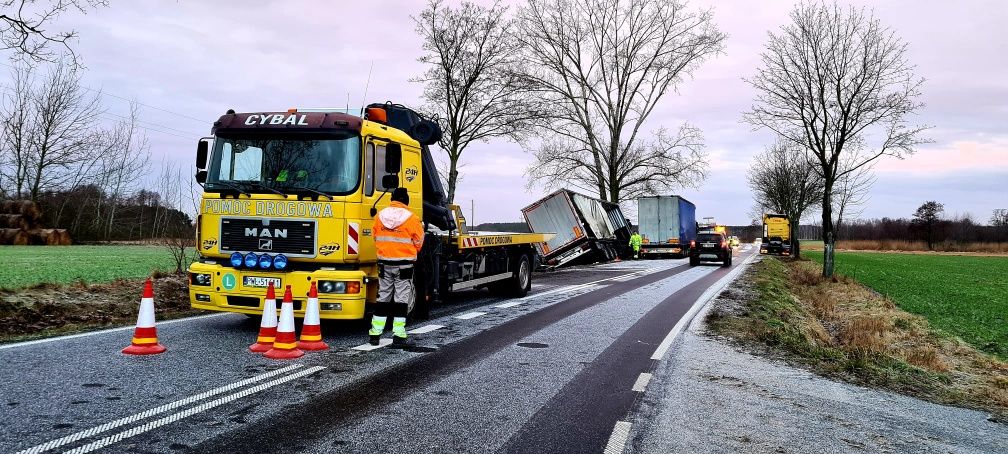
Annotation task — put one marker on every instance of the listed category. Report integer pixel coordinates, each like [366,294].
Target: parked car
[710,247]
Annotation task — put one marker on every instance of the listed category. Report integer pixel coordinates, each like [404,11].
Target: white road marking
[53,444]
[369,347]
[426,329]
[618,439]
[110,330]
[470,315]
[708,295]
[509,305]
[191,411]
[642,381]
[571,288]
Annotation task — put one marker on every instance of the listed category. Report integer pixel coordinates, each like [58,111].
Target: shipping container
[667,224]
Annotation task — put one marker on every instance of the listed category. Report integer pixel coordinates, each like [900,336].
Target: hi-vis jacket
[398,234]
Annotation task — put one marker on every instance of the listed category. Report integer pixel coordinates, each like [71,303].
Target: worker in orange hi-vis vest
[398,236]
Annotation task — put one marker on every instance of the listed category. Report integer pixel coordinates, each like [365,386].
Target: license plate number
[256,281]
[708,245]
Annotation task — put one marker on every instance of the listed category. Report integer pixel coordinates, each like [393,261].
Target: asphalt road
[556,371]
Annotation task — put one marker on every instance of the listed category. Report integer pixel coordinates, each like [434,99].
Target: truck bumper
[227,291]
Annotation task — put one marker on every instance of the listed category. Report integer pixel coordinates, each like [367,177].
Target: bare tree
[125,163]
[18,123]
[24,23]
[601,67]
[472,84]
[832,77]
[176,233]
[999,217]
[64,131]
[785,181]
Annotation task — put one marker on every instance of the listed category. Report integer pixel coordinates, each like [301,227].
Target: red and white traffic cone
[268,325]
[145,341]
[311,331]
[285,344]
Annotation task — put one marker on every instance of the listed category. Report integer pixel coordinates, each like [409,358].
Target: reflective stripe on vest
[394,239]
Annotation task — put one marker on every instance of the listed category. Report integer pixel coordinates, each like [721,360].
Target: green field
[966,296]
[24,266]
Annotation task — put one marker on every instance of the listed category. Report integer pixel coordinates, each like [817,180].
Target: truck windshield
[265,165]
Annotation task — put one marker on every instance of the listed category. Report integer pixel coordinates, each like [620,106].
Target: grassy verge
[961,295]
[47,310]
[842,329]
[25,266]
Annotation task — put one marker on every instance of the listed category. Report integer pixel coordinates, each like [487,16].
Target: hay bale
[64,237]
[14,221]
[15,237]
[26,208]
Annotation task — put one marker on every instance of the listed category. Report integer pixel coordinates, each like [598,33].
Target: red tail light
[722,243]
[692,243]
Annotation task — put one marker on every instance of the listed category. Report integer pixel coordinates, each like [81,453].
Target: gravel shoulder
[714,395]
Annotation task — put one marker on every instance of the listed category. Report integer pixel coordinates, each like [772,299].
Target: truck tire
[521,280]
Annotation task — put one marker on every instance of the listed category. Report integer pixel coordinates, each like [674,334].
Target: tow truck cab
[287,199]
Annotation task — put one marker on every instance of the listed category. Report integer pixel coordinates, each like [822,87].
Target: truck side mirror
[201,176]
[393,158]
[202,151]
[390,181]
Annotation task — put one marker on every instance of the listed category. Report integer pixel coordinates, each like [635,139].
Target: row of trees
[836,88]
[581,77]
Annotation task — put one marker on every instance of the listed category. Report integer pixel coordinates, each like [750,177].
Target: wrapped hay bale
[14,221]
[15,237]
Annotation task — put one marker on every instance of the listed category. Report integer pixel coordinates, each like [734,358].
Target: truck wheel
[521,282]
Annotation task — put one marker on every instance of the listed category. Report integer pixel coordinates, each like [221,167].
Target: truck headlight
[199,279]
[339,287]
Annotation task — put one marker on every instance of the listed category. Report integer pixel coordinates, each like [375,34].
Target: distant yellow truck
[776,235]
[289,199]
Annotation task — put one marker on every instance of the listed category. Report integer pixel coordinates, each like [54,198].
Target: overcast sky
[189,61]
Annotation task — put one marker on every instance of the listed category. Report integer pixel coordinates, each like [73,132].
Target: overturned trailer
[586,229]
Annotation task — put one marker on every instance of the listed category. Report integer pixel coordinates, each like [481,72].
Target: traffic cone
[145,341]
[311,331]
[268,326]
[285,344]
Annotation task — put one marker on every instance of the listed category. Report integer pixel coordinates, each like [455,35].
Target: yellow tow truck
[289,198]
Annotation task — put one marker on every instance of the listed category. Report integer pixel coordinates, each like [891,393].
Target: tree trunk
[795,240]
[452,179]
[828,235]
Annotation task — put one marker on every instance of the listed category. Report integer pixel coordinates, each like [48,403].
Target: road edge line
[618,438]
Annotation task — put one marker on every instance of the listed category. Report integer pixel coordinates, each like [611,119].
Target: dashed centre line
[369,347]
[509,305]
[470,315]
[426,329]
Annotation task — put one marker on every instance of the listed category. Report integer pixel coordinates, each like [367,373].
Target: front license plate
[257,281]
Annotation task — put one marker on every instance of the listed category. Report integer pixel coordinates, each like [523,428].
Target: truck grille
[274,236]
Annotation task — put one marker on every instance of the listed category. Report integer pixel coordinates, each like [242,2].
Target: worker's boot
[373,339]
[402,342]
